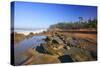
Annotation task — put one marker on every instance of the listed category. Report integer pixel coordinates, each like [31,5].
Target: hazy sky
[40,15]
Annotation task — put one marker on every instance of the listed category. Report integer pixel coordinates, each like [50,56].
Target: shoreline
[61,44]
[89,34]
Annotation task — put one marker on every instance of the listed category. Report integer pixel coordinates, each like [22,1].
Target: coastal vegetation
[81,24]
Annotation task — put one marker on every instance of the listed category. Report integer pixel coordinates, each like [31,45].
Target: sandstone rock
[38,58]
[17,37]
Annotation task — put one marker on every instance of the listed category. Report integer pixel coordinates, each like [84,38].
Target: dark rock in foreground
[65,58]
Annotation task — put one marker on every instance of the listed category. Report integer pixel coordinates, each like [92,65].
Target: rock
[79,54]
[73,43]
[69,39]
[50,49]
[40,49]
[30,35]
[65,58]
[38,58]
[57,40]
[48,39]
[17,37]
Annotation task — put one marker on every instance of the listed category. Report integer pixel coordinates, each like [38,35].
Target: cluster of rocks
[61,45]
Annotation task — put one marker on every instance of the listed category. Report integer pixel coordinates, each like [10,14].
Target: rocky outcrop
[30,35]
[35,57]
[17,37]
[60,45]
[59,48]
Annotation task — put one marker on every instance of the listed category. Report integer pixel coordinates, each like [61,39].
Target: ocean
[26,32]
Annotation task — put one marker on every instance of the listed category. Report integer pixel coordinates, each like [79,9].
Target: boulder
[40,49]
[65,58]
[57,40]
[48,38]
[30,35]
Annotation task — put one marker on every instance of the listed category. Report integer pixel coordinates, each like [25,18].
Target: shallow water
[22,46]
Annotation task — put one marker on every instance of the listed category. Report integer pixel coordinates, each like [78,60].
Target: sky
[42,15]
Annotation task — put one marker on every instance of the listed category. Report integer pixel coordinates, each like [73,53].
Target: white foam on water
[26,32]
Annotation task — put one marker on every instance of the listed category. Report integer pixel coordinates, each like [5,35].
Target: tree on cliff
[81,24]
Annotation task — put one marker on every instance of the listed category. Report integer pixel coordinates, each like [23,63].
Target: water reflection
[22,46]
[29,43]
